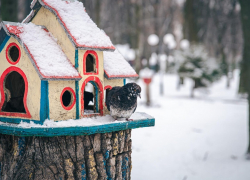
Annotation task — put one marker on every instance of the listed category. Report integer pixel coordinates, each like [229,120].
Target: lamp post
[163,59]
[168,40]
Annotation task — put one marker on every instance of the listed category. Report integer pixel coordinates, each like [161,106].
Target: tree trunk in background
[23,9]
[98,11]
[190,25]
[245,71]
[9,10]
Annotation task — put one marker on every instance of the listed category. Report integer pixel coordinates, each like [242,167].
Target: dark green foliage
[195,64]
[9,10]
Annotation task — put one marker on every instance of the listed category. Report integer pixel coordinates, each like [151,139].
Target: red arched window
[14,90]
[98,95]
[90,63]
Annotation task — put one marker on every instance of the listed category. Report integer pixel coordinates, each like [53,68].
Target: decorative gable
[47,57]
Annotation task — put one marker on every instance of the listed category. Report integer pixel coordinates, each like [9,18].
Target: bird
[122,101]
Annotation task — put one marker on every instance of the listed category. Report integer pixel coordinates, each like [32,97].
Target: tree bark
[245,71]
[98,156]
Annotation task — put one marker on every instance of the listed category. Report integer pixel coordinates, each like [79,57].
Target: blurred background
[193,59]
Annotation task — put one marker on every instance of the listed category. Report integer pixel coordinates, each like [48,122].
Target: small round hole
[67,98]
[14,53]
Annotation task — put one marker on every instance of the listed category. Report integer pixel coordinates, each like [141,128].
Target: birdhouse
[57,64]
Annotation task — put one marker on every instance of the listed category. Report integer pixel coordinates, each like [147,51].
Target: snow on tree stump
[84,152]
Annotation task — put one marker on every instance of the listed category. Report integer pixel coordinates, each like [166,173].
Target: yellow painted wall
[34,82]
[113,82]
[48,19]
[84,77]
[57,112]
[105,82]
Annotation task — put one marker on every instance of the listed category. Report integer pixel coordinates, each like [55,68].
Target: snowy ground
[204,138]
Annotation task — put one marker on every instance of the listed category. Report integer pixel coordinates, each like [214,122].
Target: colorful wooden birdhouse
[57,64]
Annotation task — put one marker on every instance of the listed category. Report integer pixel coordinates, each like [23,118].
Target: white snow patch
[146,73]
[48,55]
[201,138]
[153,40]
[184,44]
[153,59]
[169,40]
[94,121]
[126,52]
[115,64]
[80,25]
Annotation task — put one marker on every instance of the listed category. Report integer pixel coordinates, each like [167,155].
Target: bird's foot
[127,119]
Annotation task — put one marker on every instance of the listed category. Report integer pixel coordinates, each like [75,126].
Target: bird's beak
[139,95]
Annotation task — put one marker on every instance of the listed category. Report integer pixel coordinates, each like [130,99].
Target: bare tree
[245,16]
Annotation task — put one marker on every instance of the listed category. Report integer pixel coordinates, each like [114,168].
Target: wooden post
[147,81]
[148,95]
[92,157]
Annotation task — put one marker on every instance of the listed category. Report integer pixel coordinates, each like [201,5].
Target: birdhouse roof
[80,28]
[47,57]
[116,66]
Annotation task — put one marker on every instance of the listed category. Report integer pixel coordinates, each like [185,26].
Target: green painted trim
[4,42]
[76,59]
[18,120]
[44,101]
[77,86]
[77,99]
[12,129]
[124,82]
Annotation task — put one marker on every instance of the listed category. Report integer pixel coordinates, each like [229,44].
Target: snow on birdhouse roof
[82,31]
[116,66]
[47,57]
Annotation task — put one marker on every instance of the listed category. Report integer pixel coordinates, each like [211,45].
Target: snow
[184,44]
[163,57]
[169,40]
[48,56]
[153,59]
[171,59]
[204,138]
[79,24]
[116,65]
[94,121]
[146,73]
[126,51]
[153,39]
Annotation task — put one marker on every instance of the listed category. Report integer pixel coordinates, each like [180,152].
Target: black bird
[122,101]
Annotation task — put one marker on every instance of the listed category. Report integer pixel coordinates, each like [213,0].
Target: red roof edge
[121,76]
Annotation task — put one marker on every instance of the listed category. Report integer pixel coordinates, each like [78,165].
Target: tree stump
[97,156]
